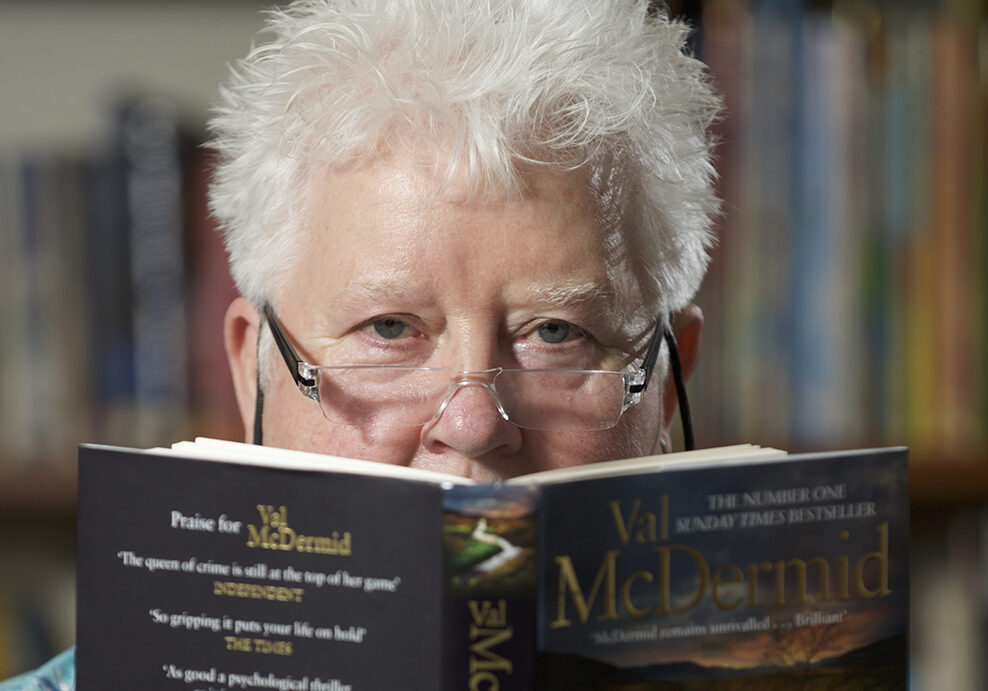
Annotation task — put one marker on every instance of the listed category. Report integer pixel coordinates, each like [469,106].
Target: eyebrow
[565,295]
[573,294]
[371,288]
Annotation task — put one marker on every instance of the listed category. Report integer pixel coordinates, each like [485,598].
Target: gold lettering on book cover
[613,594]
[254,591]
[488,629]
[643,527]
[275,533]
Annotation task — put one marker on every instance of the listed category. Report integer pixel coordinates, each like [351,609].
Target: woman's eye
[389,327]
[554,332]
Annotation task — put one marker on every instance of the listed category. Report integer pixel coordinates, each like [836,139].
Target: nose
[481,379]
[470,425]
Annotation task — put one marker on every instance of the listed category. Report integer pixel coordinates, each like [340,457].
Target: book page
[252,454]
[654,464]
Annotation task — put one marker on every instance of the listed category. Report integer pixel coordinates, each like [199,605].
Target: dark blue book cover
[299,571]
[203,575]
[791,572]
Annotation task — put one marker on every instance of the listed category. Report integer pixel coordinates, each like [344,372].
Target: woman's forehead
[393,227]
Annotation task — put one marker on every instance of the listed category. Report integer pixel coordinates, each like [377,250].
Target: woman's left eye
[556,331]
[389,327]
[556,343]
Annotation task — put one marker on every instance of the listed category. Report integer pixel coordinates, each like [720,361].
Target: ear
[240,335]
[687,326]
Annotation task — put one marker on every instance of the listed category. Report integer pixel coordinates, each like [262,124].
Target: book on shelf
[149,138]
[218,565]
[848,286]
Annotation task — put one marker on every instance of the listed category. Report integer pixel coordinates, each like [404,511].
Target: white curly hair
[499,85]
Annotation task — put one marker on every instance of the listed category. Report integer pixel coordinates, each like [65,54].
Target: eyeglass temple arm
[676,364]
[676,367]
[287,352]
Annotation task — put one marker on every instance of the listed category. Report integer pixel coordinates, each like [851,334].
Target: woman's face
[398,270]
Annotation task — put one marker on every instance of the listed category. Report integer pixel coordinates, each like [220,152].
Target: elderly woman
[465,227]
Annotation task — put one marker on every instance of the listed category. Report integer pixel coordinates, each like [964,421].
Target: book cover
[200,575]
[196,574]
[762,575]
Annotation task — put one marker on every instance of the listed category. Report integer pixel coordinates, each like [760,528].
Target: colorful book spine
[850,297]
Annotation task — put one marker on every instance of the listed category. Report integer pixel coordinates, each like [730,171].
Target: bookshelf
[849,278]
[66,69]
[847,294]
[846,304]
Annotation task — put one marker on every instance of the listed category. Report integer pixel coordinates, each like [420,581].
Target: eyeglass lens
[411,396]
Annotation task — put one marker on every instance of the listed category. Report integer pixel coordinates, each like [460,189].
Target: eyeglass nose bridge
[463,379]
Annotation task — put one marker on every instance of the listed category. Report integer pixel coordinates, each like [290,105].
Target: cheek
[397,447]
[636,434]
[633,436]
[292,421]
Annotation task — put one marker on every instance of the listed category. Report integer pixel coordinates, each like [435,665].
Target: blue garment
[58,674]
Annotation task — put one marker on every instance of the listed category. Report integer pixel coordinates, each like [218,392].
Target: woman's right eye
[388,339]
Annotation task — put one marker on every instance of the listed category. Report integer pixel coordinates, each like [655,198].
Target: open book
[217,565]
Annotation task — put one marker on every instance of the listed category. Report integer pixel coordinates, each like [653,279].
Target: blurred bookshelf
[847,298]
[845,306]
[103,236]
[847,302]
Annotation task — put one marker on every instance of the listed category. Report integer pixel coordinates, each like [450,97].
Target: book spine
[891,210]
[43,346]
[770,152]
[67,413]
[728,29]
[826,242]
[490,583]
[917,270]
[848,291]
[150,141]
[109,296]
[31,325]
[953,165]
